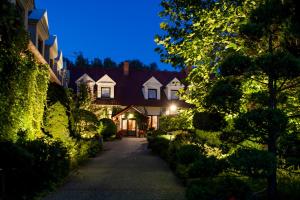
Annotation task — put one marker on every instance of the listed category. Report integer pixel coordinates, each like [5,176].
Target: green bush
[155,133]
[51,161]
[220,188]
[188,154]
[206,167]
[107,128]
[181,121]
[209,121]
[94,147]
[159,145]
[32,166]
[252,162]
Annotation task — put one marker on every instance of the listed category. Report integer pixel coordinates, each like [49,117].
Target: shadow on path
[126,170]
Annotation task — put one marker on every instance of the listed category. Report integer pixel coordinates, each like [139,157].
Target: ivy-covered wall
[23,82]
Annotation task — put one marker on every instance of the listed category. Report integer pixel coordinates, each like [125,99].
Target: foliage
[32,166]
[206,167]
[182,121]
[246,59]
[252,162]
[135,64]
[209,121]
[23,81]
[159,145]
[56,122]
[107,128]
[188,154]
[218,188]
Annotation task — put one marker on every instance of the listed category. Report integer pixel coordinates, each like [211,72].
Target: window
[105,92]
[174,94]
[152,122]
[152,94]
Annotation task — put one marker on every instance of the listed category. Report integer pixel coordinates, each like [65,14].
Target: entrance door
[131,128]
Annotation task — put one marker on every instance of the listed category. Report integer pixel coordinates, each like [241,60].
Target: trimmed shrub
[209,121]
[107,128]
[221,188]
[188,154]
[252,162]
[32,166]
[207,167]
[159,146]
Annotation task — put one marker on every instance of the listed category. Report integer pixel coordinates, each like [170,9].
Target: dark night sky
[119,29]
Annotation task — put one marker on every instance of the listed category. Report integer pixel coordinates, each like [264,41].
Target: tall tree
[96,62]
[81,61]
[246,58]
[109,63]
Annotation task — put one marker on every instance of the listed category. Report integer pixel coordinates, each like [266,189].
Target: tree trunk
[272,178]
[272,135]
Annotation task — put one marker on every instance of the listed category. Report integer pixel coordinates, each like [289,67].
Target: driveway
[125,170]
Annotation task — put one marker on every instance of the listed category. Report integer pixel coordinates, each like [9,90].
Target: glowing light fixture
[130,116]
[173,108]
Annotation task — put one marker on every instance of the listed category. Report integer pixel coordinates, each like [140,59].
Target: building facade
[138,94]
[42,44]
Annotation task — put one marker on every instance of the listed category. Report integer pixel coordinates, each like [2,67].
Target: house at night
[135,92]
[42,44]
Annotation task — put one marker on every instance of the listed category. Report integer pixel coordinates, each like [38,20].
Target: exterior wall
[106,81]
[152,83]
[173,85]
[32,28]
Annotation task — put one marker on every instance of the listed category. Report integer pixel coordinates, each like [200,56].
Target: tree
[153,66]
[109,63]
[81,61]
[247,66]
[97,62]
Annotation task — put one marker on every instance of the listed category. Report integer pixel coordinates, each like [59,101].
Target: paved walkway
[126,170]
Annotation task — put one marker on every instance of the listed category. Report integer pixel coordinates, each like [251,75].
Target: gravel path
[126,170]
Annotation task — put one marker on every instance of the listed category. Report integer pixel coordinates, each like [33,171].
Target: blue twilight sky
[119,29]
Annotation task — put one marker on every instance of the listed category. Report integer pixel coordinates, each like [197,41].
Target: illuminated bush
[107,128]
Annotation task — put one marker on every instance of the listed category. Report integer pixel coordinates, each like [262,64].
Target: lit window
[105,92]
[174,94]
[152,122]
[152,94]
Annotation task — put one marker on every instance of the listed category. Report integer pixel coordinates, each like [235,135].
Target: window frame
[177,97]
[152,89]
[109,94]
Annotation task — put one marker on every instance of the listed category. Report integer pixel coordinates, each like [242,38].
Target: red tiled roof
[128,89]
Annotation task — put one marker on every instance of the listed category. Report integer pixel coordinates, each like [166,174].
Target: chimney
[126,68]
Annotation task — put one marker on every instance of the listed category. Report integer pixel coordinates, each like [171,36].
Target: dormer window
[174,95]
[105,92]
[172,89]
[152,93]
[87,81]
[106,87]
[151,88]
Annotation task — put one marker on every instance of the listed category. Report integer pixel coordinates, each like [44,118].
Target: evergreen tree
[247,70]
[81,61]
[109,63]
[97,62]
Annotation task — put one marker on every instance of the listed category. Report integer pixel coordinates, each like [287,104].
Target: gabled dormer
[151,89]
[51,50]
[172,88]
[106,87]
[59,63]
[88,81]
[38,28]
